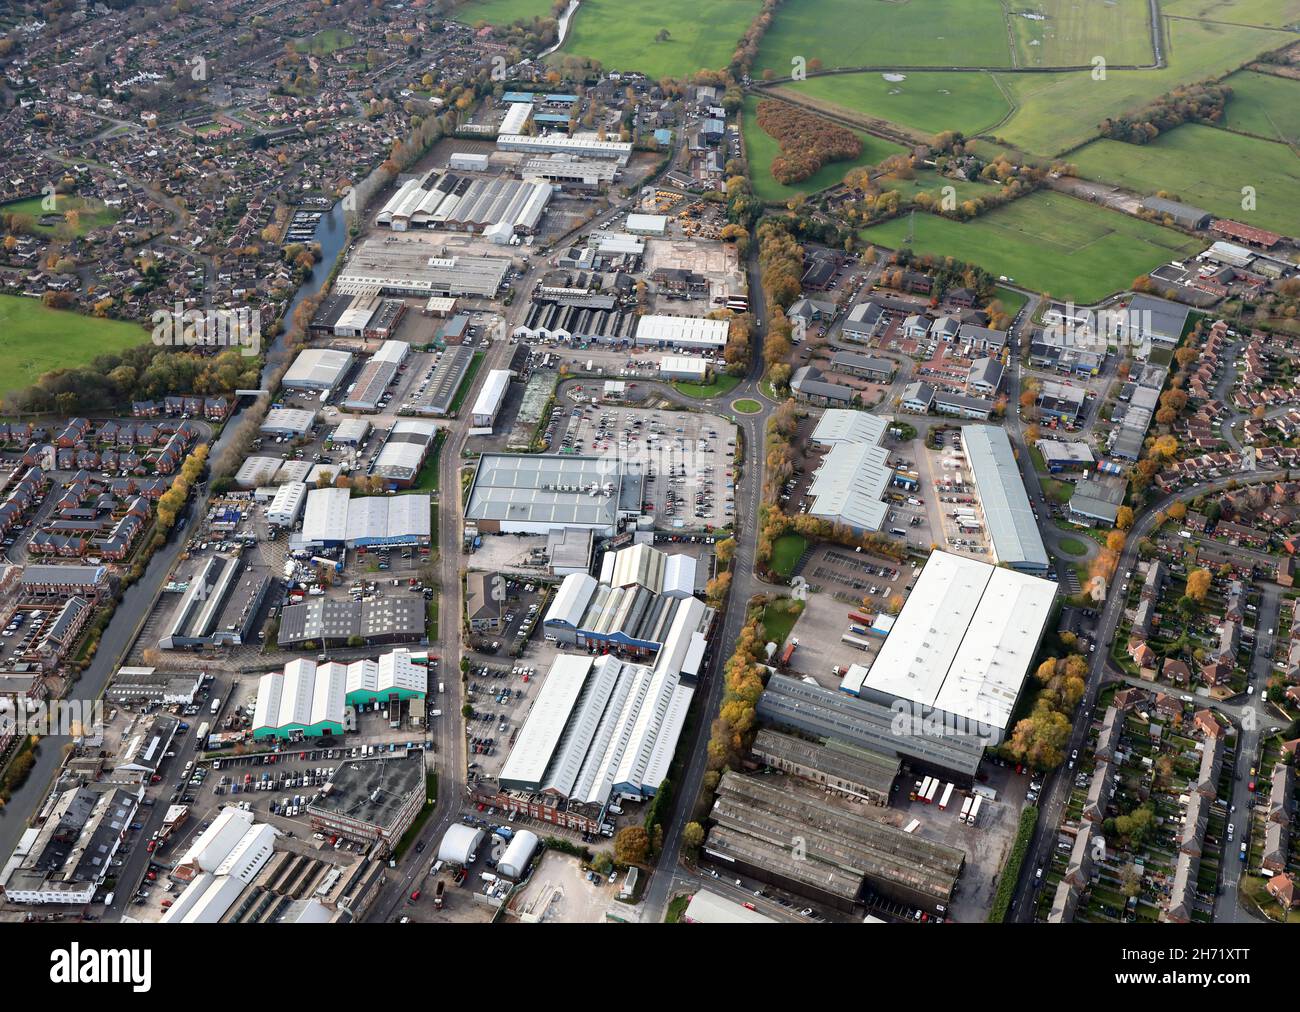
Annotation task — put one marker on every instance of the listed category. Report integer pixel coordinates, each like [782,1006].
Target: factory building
[287,503]
[1013,531]
[219,607]
[391,265]
[325,622]
[961,648]
[305,700]
[404,452]
[288,422]
[333,517]
[446,380]
[393,677]
[376,376]
[317,369]
[686,332]
[581,145]
[494,206]
[535,493]
[849,485]
[490,398]
[570,172]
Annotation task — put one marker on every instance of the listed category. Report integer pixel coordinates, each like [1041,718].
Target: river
[332,234]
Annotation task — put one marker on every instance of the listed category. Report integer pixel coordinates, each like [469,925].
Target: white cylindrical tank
[514,862]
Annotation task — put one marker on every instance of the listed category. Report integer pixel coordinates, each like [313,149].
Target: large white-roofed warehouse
[850,484]
[961,648]
[1012,528]
[317,369]
[392,265]
[404,452]
[534,493]
[306,700]
[334,518]
[632,617]
[467,203]
[376,376]
[599,728]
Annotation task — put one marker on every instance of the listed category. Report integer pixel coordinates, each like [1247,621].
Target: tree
[693,834]
[632,845]
[1198,584]
[1124,518]
[663,35]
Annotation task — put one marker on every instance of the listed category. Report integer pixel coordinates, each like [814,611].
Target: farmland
[1264,106]
[866,33]
[34,339]
[926,102]
[762,148]
[620,34]
[1047,242]
[1205,167]
[502,12]
[1069,33]
[1057,112]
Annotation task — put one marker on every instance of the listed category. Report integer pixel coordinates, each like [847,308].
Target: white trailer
[965,808]
[947,796]
[974,810]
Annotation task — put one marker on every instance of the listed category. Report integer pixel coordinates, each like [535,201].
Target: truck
[965,808]
[201,739]
[215,708]
[437,895]
[860,619]
[788,652]
[985,791]
[947,796]
[855,641]
[858,630]
[974,810]
[934,789]
[924,788]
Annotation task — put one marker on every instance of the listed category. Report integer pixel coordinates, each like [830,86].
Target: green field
[780,616]
[326,41]
[501,12]
[1049,243]
[35,340]
[1072,32]
[91,214]
[1057,112]
[1205,167]
[886,33]
[761,147]
[929,181]
[1265,106]
[786,551]
[1266,13]
[723,383]
[620,34]
[926,102]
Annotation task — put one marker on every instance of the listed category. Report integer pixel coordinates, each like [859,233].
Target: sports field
[1047,242]
[620,34]
[926,102]
[90,214]
[326,41]
[1056,112]
[1208,168]
[501,12]
[1264,105]
[761,148]
[34,340]
[1069,33]
[886,33]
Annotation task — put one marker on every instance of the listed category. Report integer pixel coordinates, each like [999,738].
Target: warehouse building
[647,224]
[404,452]
[846,852]
[372,802]
[350,432]
[288,422]
[1181,214]
[586,318]
[829,715]
[686,368]
[961,648]
[591,615]
[376,376]
[534,493]
[1013,530]
[447,200]
[219,607]
[66,859]
[445,382]
[1061,456]
[600,728]
[392,678]
[646,566]
[582,145]
[516,118]
[849,485]
[286,506]
[1097,500]
[317,369]
[570,172]
[467,162]
[692,332]
[709,908]
[490,398]
[1149,319]
[569,550]
[325,622]
[391,265]
[1061,401]
[305,700]
[865,775]
[333,517]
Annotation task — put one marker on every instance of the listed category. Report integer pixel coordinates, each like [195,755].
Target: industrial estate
[793,461]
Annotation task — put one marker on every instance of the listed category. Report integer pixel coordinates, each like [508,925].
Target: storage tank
[514,862]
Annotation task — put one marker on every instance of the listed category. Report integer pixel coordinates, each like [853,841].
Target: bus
[947,796]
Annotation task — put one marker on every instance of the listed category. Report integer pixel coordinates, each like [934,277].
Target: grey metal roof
[1012,527]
